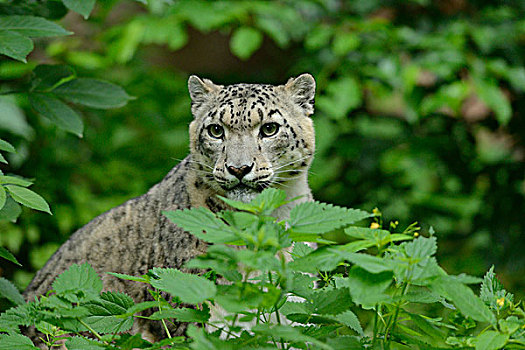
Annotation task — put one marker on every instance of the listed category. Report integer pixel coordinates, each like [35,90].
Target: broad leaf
[83,7]
[189,288]
[15,45]
[6,146]
[14,180]
[6,254]
[93,93]
[203,224]
[463,298]
[16,341]
[493,96]
[368,262]
[315,217]
[349,319]
[492,290]
[9,291]
[78,279]
[78,343]
[331,301]
[103,311]
[58,112]
[143,279]
[342,95]
[287,334]
[265,203]
[491,340]
[245,41]
[3,197]
[49,76]
[366,288]
[183,315]
[31,26]
[11,210]
[28,198]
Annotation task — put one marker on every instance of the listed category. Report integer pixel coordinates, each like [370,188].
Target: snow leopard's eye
[269,129]
[216,131]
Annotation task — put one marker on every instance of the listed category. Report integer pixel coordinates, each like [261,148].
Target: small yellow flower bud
[375,211]
[500,302]
[374,225]
[416,234]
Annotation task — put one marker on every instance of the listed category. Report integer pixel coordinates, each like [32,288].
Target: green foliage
[419,109]
[393,295]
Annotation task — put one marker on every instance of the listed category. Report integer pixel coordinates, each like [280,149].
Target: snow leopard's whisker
[292,162]
[200,163]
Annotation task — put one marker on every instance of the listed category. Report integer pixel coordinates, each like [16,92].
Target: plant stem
[396,313]
[91,330]
[375,325]
[166,329]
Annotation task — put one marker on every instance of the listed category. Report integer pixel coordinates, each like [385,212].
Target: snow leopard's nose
[240,172]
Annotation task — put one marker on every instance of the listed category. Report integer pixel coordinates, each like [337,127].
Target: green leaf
[78,279]
[9,291]
[342,95]
[49,76]
[103,311]
[2,159]
[3,197]
[264,203]
[421,247]
[300,250]
[14,180]
[58,112]
[426,326]
[463,298]
[320,259]
[492,290]
[318,37]
[315,217]
[11,210]
[191,289]
[143,279]
[491,340]
[15,45]
[492,95]
[83,7]
[368,262]
[245,41]
[366,288]
[93,93]
[203,224]
[349,319]
[6,254]
[330,301]
[6,146]
[287,333]
[21,315]
[344,42]
[78,343]
[136,308]
[16,341]
[28,198]
[31,26]
[183,315]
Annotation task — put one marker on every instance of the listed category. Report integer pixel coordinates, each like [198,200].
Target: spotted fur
[134,237]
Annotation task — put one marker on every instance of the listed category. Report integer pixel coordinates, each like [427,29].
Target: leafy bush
[384,289]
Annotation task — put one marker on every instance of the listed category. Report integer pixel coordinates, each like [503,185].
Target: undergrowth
[382,290]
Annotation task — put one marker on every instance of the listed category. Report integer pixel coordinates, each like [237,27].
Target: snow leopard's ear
[302,90]
[201,90]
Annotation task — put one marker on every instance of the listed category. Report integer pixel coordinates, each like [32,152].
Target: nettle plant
[382,290]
